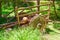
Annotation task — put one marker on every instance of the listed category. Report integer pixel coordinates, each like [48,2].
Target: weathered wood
[38,3]
[23,8]
[49,10]
[11,25]
[7,24]
[17,15]
[19,22]
[31,14]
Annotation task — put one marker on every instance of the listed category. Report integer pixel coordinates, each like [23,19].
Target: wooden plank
[30,14]
[23,8]
[7,24]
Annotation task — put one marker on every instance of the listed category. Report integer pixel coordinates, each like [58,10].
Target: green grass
[57,25]
[26,33]
[21,33]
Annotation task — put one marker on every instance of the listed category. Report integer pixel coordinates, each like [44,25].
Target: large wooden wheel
[39,21]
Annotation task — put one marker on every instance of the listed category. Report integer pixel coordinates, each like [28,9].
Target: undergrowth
[21,33]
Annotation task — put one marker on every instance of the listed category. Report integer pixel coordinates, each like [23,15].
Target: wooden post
[49,10]
[17,15]
[16,12]
[46,19]
[38,3]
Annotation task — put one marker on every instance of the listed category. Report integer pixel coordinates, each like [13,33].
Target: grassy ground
[21,33]
[27,33]
[52,37]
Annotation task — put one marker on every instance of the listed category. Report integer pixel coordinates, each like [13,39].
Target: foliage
[57,26]
[26,4]
[21,33]
[2,20]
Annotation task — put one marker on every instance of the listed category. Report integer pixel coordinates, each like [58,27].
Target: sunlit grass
[21,33]
[57,25]
[25,33]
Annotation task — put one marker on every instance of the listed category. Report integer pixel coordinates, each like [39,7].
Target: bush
[26,4]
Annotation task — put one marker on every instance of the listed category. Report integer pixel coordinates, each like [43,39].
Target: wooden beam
[33,13]
[23,8]
[8,24]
